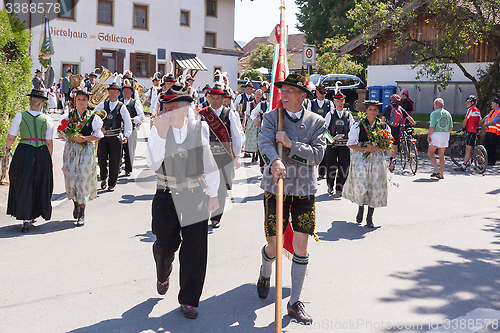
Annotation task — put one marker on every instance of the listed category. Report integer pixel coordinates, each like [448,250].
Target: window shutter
[133,63]
[152,65]
[120,61]
[98,58]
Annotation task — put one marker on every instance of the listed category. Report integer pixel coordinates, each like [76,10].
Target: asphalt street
[433,258]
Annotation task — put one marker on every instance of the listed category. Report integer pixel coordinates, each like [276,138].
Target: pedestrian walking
[303,139]
[251,130]
[367,180]
[79,164]
[439,136]
[187,184]
[30,173]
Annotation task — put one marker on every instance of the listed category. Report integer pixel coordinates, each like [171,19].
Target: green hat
[37,93]
[297,81]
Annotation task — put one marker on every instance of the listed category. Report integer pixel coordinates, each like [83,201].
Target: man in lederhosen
[109,147]
[338,156]
[136,112]
[202,101]
[226,139]
[166,82]
[321,105]
[187,184]
[303,139]
[243,100]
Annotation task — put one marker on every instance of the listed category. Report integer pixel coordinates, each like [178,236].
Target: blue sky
[257,18]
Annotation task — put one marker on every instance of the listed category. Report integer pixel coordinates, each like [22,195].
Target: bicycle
[478,155]
[408,152]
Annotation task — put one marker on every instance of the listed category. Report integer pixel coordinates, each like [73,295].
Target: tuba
[140,90]
[100,90]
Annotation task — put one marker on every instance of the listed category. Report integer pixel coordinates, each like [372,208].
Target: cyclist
[470,124]
[393,115]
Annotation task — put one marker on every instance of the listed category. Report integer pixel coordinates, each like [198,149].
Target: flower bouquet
[378,137]
[71,127]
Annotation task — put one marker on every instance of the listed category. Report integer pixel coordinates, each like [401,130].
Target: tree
[262,56]
[15,71]
[332,61]
[458,24]
[321,19]
[252,74]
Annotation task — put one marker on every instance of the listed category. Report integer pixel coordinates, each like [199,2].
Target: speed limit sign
[308,55]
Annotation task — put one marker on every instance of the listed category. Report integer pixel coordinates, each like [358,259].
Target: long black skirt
[31,183]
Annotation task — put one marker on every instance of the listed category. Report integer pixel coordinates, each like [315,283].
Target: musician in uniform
[243,100]
[303,139]
[202,101]
[226,139]
[89,84]
[166,82]
[153,91]
[136,112]
[321,106]
[189,87]
[109,147]
[338,156]
[66,88]
[257,116]
[187,184]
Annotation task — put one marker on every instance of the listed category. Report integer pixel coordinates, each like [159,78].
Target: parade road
[432,260]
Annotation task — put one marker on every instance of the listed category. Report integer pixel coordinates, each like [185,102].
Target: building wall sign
[110,38]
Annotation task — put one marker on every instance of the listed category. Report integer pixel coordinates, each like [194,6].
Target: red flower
[385,135]
[64,122]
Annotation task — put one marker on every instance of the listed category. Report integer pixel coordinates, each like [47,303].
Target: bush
[252,74]
[15,71]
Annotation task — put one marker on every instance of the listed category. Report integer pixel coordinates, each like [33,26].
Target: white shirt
[238,101]
[340,114]
[320,104]
[138,108]
[256,111]
[155,153]
[295,115]
[354,133]
[16,124]
[125,116]
[96,124]
[154,102]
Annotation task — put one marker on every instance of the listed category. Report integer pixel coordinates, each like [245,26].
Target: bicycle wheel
[480,157]
[457,153]
[403,153]
[413,157]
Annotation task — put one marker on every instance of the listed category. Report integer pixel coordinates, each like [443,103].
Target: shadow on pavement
[426,180]
[14,230]
[147,237]
[345,230]
[130,198]
[233,311]
[258,197]
[460,286]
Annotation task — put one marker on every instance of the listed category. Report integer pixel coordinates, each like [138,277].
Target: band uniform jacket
[308,147]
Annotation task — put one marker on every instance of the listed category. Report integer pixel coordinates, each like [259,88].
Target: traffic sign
[308,55]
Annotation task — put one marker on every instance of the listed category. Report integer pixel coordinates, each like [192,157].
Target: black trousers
[170,222]
[491,143]
[337,162]
[109,149]
[322,168]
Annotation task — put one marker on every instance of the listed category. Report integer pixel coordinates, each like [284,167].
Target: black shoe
[76,210]
[127,174]
[297,311]
[359,217]
[189,311]
[320,177]
[215,224]
[103,185]
[111,188]
[81,217]
[330,191]
[25,227]
[162,288]
[263,286]
[369,222]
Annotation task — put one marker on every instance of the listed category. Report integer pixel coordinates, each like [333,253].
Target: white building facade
[145,36]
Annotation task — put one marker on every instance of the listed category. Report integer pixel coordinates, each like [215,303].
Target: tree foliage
[262,56]
[321,19]
[252,74]
[458,25]
[15,71]
[331,61]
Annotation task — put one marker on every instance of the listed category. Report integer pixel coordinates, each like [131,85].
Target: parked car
[348,86]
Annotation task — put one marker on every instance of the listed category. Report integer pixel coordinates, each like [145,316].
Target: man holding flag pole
[292,144]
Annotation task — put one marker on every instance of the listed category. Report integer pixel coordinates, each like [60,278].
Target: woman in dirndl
[79,161]
[30,173]
[367,180]
[252,131]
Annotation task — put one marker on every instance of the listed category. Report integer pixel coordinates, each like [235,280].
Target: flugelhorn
[100,89]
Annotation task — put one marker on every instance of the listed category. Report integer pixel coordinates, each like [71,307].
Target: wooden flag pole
[279,189]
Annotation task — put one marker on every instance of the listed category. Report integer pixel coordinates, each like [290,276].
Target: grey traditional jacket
[308,147]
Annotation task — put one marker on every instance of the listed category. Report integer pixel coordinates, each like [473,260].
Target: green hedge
[15,71]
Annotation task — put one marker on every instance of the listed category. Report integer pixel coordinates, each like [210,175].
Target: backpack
[396,116]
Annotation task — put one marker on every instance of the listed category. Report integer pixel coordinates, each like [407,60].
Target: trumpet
[140,90]
[100,90]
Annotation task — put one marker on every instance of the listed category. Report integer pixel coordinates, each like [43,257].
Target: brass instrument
[140,90]
[100,90]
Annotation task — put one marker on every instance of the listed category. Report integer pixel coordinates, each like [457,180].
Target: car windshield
[344,82]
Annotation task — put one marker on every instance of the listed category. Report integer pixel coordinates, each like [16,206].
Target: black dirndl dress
[31,183]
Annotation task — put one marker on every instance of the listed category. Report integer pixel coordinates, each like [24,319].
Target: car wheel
[353,104]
